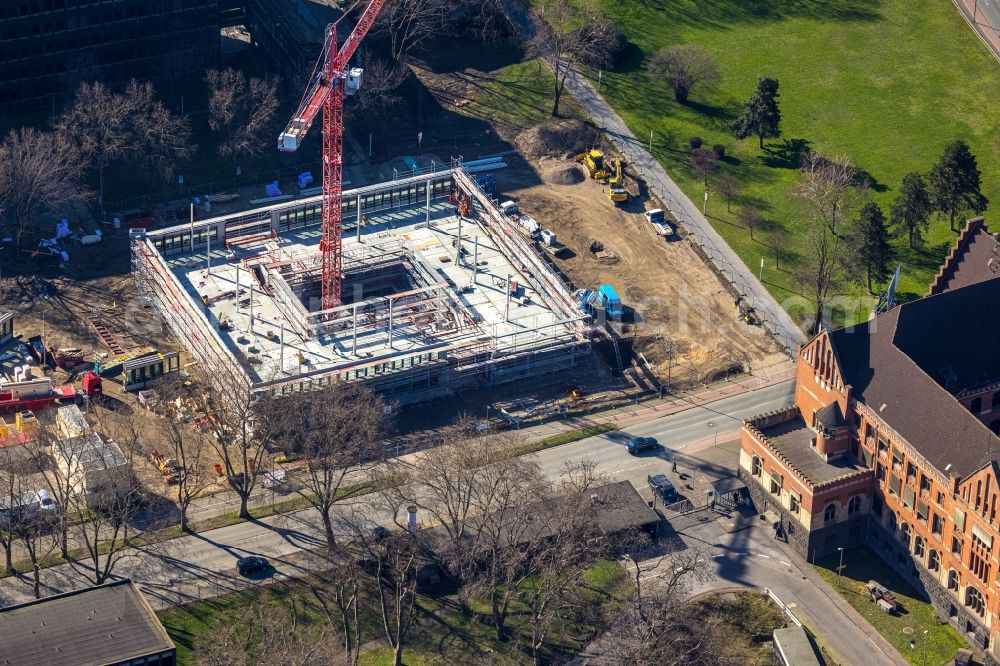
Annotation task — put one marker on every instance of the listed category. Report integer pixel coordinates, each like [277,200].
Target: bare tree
[10,497]
[380,93]
[34,532]
[729,186]
[558,42]
[344,580]
[108,127]
[39,176]
[750,217]
[704,162]
[655,624]
[106,498]
[830,188]
[338,430]
[241,110]
[234,414]
[777,241]
[572,542]
[189,448]
[264,635]
[682,67]
[493,539]
[165,136]
[391,563]
[408,24]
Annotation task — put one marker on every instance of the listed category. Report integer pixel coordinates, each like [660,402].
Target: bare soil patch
[685,317]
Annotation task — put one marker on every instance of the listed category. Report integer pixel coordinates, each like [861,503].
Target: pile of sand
[567,175]
[558,138]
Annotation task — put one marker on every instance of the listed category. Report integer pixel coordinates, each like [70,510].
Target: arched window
[953,580]
[755,466]
[996,399]
[830,514]
[892,520]
[933,562]
[976,406]
[974,600]
[918,546]
[904,535]
[854,506]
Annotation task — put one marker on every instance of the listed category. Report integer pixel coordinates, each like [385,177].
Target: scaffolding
[415,338]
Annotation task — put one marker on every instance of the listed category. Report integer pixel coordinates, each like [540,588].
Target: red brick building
[893,441]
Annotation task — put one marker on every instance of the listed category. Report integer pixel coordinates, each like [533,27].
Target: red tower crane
[329,83]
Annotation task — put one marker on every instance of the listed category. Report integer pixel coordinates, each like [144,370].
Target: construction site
[440,292]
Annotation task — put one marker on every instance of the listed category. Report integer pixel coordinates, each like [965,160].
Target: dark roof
[97,625]
[619,506]
[975,257]
[908,363]
[830,415]
[792,440]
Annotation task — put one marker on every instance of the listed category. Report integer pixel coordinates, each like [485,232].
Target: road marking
[767,557]
[630,469]
[787,564]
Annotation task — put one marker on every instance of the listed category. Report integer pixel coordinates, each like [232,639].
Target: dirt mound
[558,138]
[568,175]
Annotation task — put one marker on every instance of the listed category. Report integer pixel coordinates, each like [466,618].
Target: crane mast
[329,83]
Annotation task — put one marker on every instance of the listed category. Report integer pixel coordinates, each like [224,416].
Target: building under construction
[432,301]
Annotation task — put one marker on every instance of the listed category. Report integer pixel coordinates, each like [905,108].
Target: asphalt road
[203,565]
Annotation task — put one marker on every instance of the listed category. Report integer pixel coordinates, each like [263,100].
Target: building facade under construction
[440,292]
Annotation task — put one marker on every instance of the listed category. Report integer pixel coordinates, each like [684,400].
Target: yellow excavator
[616,184]
[593,162]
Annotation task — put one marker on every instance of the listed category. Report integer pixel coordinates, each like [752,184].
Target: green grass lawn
[886,83]
[862,565]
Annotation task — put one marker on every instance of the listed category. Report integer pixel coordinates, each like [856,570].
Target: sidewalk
[984,21]
[862,624]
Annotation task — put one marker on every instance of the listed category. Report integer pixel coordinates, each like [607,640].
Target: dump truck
[593,162]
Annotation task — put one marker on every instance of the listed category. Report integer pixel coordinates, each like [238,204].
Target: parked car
[662,487]
[639,444]
[248,565]
[45,501]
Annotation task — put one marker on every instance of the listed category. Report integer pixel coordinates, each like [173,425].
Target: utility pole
[650,142]
[840,567]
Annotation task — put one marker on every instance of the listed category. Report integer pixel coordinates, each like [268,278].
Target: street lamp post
[840,567]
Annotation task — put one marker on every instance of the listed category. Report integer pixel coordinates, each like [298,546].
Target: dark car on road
[639,444]
[662,487]
[248,565]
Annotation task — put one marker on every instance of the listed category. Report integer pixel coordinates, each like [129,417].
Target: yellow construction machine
[616,184]
[593,162]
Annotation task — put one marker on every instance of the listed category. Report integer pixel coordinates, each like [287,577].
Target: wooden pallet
[106,336]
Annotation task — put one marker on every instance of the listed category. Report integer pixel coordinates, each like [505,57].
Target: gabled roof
[975,257]
[907,363]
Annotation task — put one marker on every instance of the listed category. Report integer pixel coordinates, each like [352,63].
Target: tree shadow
[722,114]
[631,59]
[723,14]
[865,176]
[785,155]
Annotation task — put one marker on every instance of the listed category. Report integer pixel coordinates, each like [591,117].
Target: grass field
[917,615]
[886,83]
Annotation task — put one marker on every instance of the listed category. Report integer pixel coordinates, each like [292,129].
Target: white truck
[658,219]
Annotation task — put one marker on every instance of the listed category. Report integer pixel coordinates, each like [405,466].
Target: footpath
[984,18]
